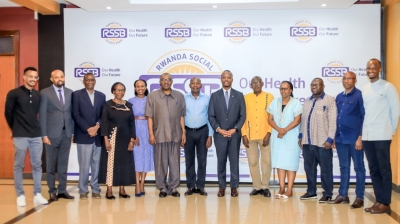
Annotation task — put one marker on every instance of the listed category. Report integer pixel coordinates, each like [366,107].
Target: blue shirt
[57,93]
[197,111]
[350,117]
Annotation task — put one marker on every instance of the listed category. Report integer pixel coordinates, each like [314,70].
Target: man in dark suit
[227,113]
[87,107]
[57,128]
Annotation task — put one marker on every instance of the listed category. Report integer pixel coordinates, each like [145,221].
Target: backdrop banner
[277,45]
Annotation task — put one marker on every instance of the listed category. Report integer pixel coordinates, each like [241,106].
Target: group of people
[117,138]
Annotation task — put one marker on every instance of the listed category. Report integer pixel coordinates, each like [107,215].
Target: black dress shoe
[266,193]
[176,194]
[202,192]
[53,197]
[190,191]
[110,197]
[254,192]
[65,195]
[124,195]
[162,194]
[196,190]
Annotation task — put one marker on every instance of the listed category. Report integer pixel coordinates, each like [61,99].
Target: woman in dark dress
[117,166]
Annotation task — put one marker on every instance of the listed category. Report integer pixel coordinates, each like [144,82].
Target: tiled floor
[191,209]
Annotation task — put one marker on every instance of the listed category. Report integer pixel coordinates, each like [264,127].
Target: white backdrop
[296,45]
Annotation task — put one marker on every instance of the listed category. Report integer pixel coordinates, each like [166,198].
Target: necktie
[61,98]
[226,99]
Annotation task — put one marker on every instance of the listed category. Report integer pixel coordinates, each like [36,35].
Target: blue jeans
[88,158]
[314,155]
[35,147]
[345,153]
[378,156]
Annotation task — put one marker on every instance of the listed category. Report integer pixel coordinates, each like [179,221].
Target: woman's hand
[130,146]
[108,145]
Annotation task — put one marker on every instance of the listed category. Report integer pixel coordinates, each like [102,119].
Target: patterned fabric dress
[144,158]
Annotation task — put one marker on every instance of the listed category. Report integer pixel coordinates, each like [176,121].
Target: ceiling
[172,5]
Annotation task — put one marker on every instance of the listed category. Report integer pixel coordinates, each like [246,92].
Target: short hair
[319,79]
[30,69]
[290,86]
[89,73]
[379,62]
[145,84]
[115,84]
[227,72]
[257,77]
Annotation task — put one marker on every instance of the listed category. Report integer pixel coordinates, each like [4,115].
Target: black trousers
[196,145]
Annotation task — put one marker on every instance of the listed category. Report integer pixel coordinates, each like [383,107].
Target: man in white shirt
[381,102]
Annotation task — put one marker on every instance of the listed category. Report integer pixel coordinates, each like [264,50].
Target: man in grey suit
[57,127]
[227,113]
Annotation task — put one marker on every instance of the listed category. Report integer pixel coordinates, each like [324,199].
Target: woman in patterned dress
[118,128]
[143,153]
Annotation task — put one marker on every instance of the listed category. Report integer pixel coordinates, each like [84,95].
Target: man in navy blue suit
[226,114]
[87,106]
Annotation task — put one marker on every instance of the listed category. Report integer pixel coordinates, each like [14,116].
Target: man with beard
[57,128]
[226,114]
[165,111]
[381,102]
[21,110]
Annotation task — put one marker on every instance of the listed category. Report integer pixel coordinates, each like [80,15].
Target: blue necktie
[226,99]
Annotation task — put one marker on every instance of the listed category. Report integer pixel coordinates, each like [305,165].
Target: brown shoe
[234,192]
[340,200]
[369,208]
[358,203]
[96,195]
[381,208]
[221,192]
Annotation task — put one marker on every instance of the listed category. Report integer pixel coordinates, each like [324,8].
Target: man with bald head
[57,128]
[381,102]
[348,144]
[198,137]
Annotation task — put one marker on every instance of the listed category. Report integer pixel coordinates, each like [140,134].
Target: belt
[140,118]
[196,129]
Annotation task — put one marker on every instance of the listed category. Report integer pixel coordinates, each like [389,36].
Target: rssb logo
[303,31]
[114,33]
[237,32]
[334,71]
[86,67]
[178,32]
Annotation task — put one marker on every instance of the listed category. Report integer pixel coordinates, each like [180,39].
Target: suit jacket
[87,115]
[51,113]
[227,118]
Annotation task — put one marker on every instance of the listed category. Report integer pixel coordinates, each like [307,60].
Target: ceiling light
[215,6]
[323,5]
[108,7]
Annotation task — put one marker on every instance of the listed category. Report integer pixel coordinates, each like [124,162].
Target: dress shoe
[124,195]
[138,195]
[265,193]
[234,192]
[83,196]
[96,195]
[189,191]
[162,194]
[176,194]
[369,208]
[65,195]
[221,192]
[110,197]
[53,197]
[202,192]
[358,203]
[325,199]
[381,208]
[340,200]
[254,192]
[143,193]
[196,190]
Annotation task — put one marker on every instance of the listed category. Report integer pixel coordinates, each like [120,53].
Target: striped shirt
[318,121]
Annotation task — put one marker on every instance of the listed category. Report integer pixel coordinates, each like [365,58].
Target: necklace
[118,104]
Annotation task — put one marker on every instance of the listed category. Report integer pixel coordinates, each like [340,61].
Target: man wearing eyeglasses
[317,132]
[21,110]
[349,122]
[256,133]
[165,111]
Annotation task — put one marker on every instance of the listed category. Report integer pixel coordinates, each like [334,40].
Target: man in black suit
[87,107]
[227,113]
[57,128]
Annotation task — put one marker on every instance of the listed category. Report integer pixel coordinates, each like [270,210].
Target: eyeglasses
[33,77]
[344,79]
[166,80]
[256,83]
[316,85]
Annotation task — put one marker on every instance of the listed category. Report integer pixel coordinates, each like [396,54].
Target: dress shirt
[197,111]
[57,93]
[318,121]
[350,117]
[91,97]
[256,124]
[381,102]
[21,110]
